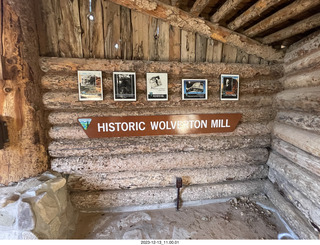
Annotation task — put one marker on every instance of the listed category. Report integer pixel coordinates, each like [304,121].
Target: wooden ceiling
[261,27]
[274,22]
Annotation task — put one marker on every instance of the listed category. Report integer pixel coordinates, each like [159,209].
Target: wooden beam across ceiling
[254,11]
[224,10]
[297,28]
[179,18]
[198,7]
[297,7]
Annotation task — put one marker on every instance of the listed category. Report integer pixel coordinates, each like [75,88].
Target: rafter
[299,27]
[297,7]
[184,20]
[254,11]
[224,10]
[198,7]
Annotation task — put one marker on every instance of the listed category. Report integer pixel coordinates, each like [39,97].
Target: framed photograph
[229,87]
[194,89]
[90,85]
[124,86]
[157,86]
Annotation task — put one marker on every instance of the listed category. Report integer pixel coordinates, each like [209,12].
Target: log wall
[120,33]
[142,170]
[295,158]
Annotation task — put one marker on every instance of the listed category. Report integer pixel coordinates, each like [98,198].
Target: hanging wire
[90,15]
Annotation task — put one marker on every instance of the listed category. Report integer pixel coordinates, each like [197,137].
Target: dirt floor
[239,218]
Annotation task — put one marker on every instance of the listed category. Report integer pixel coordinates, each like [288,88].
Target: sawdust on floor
[239,218]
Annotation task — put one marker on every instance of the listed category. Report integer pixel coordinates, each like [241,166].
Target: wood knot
[7,90]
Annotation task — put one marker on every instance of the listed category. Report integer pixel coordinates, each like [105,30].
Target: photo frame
[229,87]
[124,86]
[90,85]
[157,86]
[194,89]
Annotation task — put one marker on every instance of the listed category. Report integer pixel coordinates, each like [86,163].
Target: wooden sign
[127,126]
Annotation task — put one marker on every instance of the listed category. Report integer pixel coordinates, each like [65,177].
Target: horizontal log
[264,114]
[292,30]
[110,163]
[253,12]
[198,7]
[300,178]
[304,78]
[310,61]
[95,147]
[291,215]
[72,65]
[100,200]
[301,99]
[296,155]
[226,8]
[301,202]
[305,47]
[76,132]
[164,178]
[262,84]
[303,139]
[292,10]
[70,101]
[179,18]
[307,121]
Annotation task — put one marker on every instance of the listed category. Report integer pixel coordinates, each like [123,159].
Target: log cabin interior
[52,173]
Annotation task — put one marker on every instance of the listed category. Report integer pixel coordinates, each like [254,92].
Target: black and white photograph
[194,89]
[90,85]
[229,87]
[157,86]
[124,86]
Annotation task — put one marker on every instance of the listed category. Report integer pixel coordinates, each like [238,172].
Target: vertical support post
[178,185]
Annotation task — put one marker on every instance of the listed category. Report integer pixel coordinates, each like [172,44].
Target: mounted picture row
[124,87]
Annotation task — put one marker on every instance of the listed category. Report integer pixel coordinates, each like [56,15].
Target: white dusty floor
[238,218]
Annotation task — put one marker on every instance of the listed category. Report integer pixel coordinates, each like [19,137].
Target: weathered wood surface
[301,202]
[305,181]
[256,85]
[159,46]
[76,131]
[224,10]
[164,178]
[307,121]
[186,21]
[303,139]
[304,78]
[253,12]
[310,61]
[301,99]
[109,199]
[297,28]
[292,10]
[198,7]
[296,155]
[292,216]
[111,163]
[201,48]
[69,100]
[140,36]
[20,96]
[67,65]
[229,54]
[188,46]
[126,34]
[174,43]
[303,48]
[93,147]
[263,114]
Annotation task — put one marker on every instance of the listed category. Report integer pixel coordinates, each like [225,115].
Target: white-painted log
[304,78]
[310,61]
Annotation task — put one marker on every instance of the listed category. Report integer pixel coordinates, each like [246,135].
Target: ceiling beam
[224,10]
[198,7]
[297,28]
[179,18]
[254,11]
[292,10]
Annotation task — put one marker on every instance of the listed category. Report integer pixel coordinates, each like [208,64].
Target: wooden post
[20,96]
